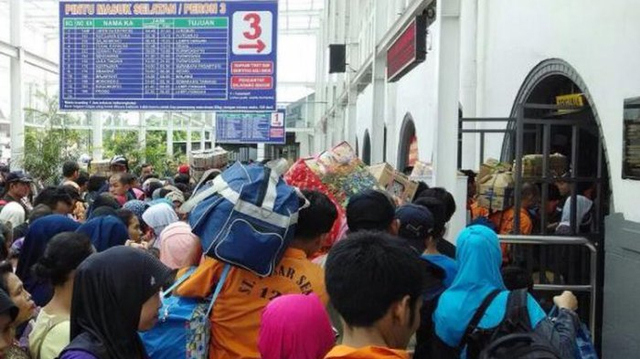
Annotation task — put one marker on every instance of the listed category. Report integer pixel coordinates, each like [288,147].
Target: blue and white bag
[246,216]
[183,330]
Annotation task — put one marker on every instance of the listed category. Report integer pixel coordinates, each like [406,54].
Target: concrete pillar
[170,135]
[394,120]
[189,137]
[96,134]
[17,105]
[468,78]
[261,152]
[379,85]
[448,86]
[142,135]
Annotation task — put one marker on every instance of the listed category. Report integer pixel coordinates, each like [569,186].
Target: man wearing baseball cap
[17,186]
[416,225]
[371,210]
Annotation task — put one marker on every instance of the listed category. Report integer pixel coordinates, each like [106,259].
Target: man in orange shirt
[375,282]
[235,319]
[505,220]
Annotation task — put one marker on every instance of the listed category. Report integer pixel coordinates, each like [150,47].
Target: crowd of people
[84,264]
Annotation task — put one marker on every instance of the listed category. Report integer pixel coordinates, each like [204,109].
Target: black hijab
[108,293]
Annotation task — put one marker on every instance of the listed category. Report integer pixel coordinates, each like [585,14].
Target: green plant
[48,146]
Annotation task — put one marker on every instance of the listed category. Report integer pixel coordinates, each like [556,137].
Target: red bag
[301,176]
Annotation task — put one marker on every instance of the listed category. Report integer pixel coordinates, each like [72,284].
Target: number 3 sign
[252,32]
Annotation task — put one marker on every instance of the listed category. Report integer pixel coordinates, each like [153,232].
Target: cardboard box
[396,183]
[496,191]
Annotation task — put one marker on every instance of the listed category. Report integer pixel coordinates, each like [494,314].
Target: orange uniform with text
[235,319]
[345,352]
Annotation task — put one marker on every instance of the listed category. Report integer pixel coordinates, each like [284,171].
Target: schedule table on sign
[151,59]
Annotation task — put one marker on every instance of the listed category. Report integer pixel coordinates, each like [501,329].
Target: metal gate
[557,266]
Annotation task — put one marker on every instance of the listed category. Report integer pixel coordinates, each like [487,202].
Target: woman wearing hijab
[295,327]
[479,260]
[116,294]
[105,232]
[102,212]
[584,206]
[12,213]
[158,217]
[35,242]
[137,207]
[179,247]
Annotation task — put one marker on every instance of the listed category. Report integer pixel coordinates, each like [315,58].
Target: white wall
[598,41]
[417,96]
[364,115]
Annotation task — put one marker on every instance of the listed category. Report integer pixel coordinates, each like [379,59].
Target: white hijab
[584,206]
[158,217]
[12,213]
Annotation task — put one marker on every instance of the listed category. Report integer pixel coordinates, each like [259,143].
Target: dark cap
[17,176]
[416,222]
[370,210]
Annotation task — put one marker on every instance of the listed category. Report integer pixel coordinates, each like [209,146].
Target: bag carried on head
[246,216]
[514,338]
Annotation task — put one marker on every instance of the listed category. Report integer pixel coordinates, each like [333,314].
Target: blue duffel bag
[183,330]
[246,216]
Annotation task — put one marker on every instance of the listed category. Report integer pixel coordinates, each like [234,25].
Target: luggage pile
[339,174]
[202,161]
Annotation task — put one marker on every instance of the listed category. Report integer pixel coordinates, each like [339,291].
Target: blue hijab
[105,232]
[479,259]
[35,242]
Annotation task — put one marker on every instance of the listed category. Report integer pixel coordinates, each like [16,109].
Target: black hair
[184,188]
[73,192]
[38,212]
[421,188]
[446,197]
[63,254]
[554,193]
[69,168]
[438,210]
[83,178]
[153,186]
[164,192]
[515,278]
[370,210]
[126,216]
[106,200]
[182,178]
[369,271]
[318,218]
[5,268]
[530,189]
[50,196]
[124,178]
[95,183]
[145,165]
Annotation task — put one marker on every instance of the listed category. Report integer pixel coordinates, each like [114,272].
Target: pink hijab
[295,327]
[179,247]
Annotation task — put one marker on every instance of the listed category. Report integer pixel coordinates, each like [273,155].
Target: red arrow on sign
[259,46]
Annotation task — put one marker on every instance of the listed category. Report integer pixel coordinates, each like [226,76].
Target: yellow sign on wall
[573,100]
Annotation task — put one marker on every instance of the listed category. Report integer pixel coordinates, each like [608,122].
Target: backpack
[513,338]
[183,330]
[425,335]
[246,216]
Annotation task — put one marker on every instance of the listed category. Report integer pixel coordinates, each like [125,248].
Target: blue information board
[256,127]
[168,55]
